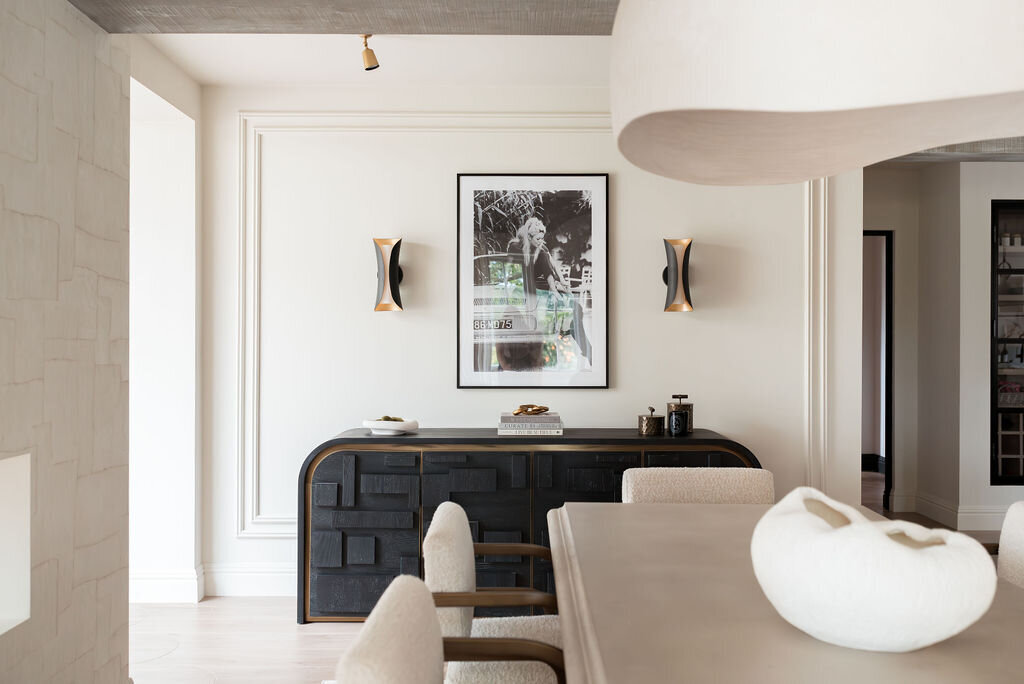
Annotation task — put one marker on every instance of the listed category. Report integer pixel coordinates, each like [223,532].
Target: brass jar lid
[650,424]
[679,404]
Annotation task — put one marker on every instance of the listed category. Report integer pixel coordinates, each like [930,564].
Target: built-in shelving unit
[1007,448]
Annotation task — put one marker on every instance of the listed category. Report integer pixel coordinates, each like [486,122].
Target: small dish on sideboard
[391,427]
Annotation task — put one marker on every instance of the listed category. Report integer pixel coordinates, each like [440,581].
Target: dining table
[667,593]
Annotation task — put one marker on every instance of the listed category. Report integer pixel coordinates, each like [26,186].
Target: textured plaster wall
[64,333]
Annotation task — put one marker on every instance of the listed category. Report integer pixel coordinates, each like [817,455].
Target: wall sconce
[677,275]
[389,274]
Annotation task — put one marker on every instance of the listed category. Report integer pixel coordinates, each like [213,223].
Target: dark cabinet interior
[1007,353]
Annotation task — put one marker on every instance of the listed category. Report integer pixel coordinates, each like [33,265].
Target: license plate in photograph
[496,324]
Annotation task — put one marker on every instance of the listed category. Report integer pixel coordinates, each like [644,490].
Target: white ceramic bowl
[873,585]
[391,427]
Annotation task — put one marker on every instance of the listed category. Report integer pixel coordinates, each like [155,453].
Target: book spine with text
[503,431]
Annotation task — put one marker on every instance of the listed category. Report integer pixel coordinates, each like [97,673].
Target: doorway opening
[876,369]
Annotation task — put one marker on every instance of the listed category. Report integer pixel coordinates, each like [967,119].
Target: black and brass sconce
[677,275]
[389,274]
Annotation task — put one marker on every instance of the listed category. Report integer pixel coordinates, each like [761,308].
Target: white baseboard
[937,509]
[175,586]
[981,517]
[250,579]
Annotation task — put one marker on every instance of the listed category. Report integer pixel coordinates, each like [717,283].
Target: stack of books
[542,424]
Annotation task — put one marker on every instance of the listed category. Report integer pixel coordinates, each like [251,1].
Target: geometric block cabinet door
[561,476]
[494,489]
[365,502]
[364,529]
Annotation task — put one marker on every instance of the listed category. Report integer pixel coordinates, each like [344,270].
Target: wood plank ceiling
[481,17]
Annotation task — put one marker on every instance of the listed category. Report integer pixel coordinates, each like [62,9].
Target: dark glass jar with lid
[680,416]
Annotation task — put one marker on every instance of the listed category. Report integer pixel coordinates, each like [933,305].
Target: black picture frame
[532,305]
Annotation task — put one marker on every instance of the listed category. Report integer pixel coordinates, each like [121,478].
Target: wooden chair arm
[490,650]
[499,549]
[495,598]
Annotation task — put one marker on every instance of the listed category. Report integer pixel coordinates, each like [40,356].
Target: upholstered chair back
[400,643]
[698,485]
[449,564]
[1010,563]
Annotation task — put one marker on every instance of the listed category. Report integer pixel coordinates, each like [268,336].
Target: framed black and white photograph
[532,280]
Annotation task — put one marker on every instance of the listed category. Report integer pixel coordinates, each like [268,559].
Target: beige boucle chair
[401,643]
[698,485]
[1010,563]
[450,571]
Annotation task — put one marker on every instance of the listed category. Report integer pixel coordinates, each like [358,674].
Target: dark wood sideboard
[365,502]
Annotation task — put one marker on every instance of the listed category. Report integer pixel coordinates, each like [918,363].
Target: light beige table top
[666,593]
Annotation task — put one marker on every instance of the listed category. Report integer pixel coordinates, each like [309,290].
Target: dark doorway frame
[887,359]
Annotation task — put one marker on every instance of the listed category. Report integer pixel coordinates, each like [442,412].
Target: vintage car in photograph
[515,327]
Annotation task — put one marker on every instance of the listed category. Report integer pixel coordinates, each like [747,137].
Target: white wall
[15,540]
[64,334]
[164,507]
[873,346]
[165,504]
[891,202]
[982,506]
[843,312]
[153,69]
[330,183]
[939,373]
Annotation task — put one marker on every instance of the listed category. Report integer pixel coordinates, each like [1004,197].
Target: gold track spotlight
[369,59]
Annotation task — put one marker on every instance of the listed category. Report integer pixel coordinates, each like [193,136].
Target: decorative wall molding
[816,326]
[174,586]
[250,579]
[252,521]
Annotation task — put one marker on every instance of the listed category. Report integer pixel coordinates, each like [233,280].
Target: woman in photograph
[551,287]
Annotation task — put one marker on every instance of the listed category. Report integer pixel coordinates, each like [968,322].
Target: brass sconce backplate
[389,274]
[677,275]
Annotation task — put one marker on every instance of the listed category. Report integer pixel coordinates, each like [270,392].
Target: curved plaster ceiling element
[745,92]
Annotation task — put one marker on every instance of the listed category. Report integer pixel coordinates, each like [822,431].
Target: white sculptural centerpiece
[749,92]
[873,585]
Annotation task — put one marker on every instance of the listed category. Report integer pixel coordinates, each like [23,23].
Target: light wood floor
[232,641]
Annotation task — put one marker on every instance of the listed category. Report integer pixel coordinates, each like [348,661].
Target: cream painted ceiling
[578,62]
[483,17]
